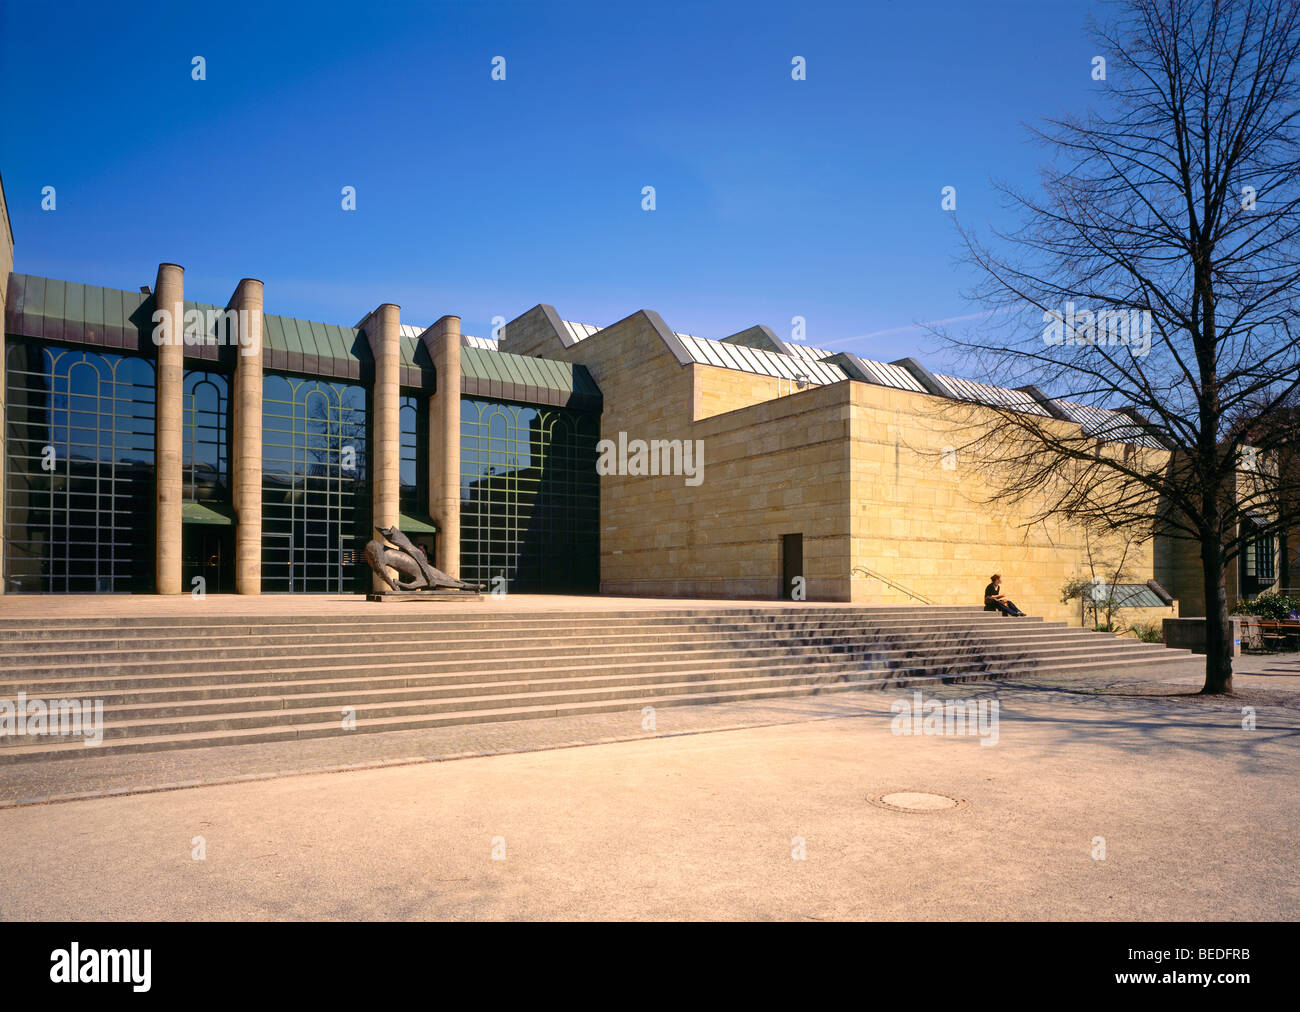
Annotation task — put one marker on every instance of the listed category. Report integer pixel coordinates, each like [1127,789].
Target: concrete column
[443,343]
[383,331]
[169,336]
[246,462]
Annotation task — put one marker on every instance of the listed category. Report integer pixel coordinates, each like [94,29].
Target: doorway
[792,568]
[208,551]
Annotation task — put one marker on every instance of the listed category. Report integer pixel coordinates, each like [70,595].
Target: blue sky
[774,198]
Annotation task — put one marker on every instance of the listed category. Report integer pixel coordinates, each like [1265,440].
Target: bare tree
[1109,567]
[1156,276]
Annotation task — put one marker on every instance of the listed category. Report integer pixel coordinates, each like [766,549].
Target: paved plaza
[1109,799]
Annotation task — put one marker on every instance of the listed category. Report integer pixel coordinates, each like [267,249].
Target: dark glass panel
[530,496]
[315,486]
[205,450]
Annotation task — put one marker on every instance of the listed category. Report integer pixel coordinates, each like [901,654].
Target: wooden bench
[1276,634]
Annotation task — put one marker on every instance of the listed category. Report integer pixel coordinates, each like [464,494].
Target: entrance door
[208,550]
[791,566]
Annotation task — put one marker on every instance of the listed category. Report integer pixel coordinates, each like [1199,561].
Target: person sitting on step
[995,600]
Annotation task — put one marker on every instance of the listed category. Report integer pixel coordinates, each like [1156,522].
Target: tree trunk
[1218,627]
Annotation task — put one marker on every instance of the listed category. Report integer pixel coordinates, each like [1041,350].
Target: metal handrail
[886,580]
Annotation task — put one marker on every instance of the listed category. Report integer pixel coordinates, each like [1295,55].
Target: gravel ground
[1090,805]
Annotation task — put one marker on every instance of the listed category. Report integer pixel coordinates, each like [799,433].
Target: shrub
[1267,605]
[1150,632]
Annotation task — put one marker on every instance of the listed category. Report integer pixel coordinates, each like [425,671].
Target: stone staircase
[172,682]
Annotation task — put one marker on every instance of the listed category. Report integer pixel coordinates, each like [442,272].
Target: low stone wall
[1127,618]
[1189,634]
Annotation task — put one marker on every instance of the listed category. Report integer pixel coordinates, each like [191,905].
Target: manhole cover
[920,802]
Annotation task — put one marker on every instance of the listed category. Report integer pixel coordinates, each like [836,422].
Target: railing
[888,582]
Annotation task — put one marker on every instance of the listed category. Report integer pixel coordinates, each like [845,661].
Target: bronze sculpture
[410,562]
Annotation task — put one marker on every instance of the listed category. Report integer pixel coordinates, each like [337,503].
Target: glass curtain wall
[79,481]
[315,486]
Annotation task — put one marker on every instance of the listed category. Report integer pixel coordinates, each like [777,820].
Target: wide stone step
[706,692]
[588,624]
[210,679]
[39,637]
[104,659]
[506,605]
[126,722]
[280,693]
[288,695]
[332,728]
[487,618]
[145,674]
[503,626]
[186,674]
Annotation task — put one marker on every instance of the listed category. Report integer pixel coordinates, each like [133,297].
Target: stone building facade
[256,453]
